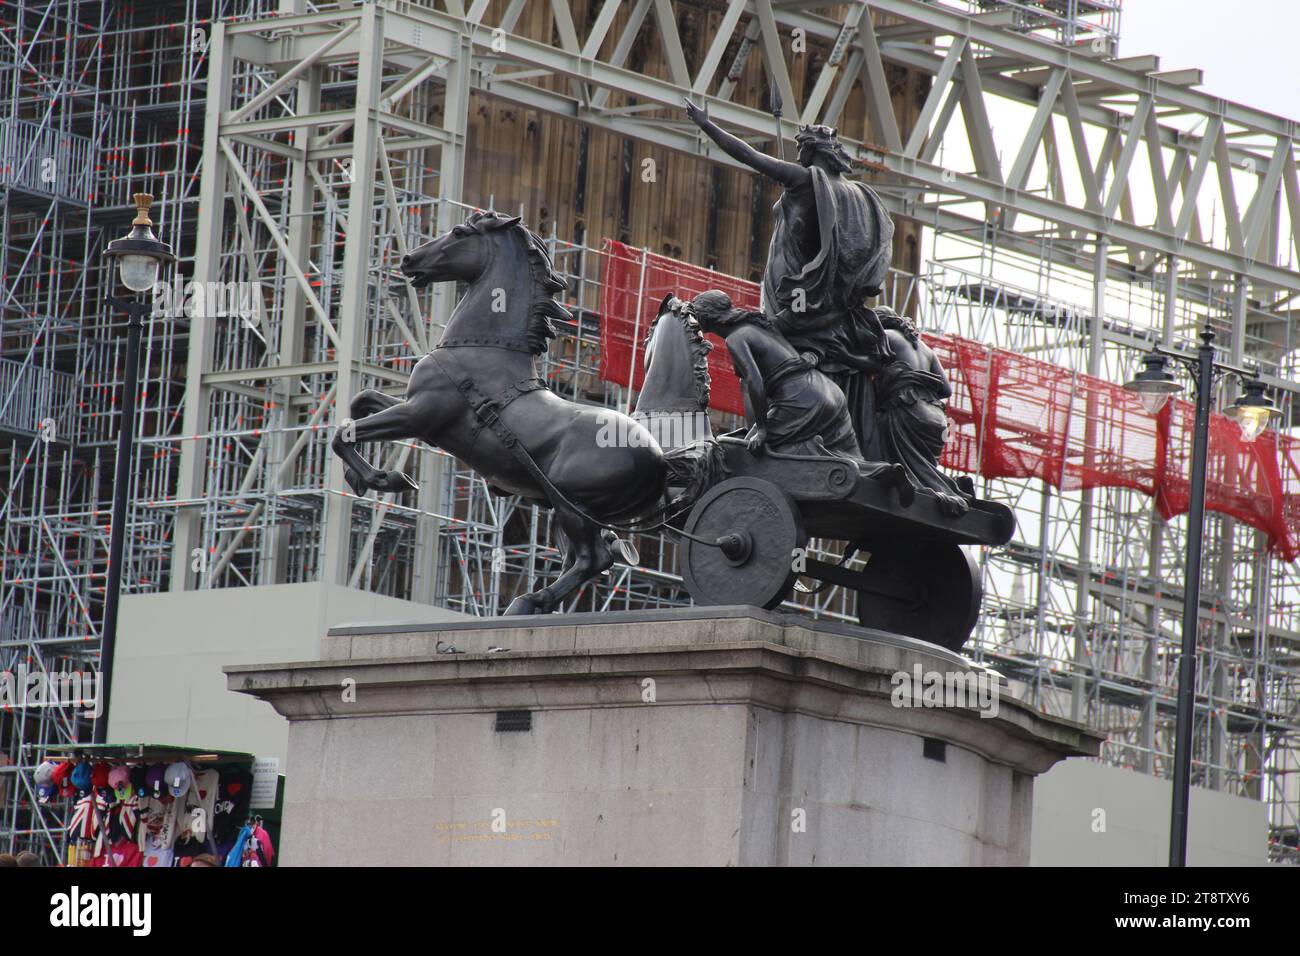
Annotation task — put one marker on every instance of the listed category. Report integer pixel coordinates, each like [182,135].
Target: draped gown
[819,274]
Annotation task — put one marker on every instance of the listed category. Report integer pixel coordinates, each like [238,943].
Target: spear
[774,97]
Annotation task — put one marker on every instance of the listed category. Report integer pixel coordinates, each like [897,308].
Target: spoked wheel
[759,528]
[928,591]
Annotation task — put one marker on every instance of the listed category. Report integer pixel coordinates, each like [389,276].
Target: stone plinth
[710,736]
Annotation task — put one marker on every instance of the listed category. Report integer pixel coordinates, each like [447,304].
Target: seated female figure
[790,404]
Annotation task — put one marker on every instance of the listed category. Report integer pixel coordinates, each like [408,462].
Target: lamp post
[1252,413]
[139,256]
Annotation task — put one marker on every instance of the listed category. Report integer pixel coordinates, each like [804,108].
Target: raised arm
[787,174]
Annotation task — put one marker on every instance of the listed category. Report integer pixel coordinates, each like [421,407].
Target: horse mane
[546,281]
[700,346]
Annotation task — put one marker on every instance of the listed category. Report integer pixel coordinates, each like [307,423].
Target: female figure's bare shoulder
[899,342]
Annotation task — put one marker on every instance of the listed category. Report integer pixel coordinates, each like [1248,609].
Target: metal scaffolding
[299,149]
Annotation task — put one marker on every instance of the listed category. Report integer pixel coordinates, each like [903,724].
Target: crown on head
[817,134]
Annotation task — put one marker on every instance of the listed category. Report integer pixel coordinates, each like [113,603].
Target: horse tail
[695,468]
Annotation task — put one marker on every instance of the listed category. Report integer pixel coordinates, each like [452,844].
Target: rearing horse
[477,395]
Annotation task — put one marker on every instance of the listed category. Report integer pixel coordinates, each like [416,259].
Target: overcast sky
[1249,49]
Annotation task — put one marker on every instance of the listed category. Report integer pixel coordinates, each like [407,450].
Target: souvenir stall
[145,805]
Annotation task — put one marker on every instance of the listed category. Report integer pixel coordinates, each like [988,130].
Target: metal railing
[43,160]
[36,401]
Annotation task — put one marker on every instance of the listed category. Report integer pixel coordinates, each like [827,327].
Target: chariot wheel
[759,528]
[928,591]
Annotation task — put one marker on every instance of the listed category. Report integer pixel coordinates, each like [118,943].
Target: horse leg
[588,555]
[366,402]
[402,419]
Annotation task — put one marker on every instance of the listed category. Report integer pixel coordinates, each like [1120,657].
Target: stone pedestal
[709,736]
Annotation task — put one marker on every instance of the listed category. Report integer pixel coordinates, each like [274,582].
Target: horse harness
[488,408]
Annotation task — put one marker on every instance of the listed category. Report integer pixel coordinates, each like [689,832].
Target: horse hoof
[524,604]
[397,482]
[359,487]
[617,548]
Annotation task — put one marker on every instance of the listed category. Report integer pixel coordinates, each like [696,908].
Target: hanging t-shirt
[187,848]
[202,797]
[159,823]
[235,793]
[125,853]
[157,859]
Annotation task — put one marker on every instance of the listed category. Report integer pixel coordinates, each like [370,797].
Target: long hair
[714,311]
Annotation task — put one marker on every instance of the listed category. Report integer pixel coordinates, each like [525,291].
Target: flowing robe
[804,405]
[819,275]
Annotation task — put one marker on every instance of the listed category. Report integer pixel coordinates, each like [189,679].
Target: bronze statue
[743,506]
[911,392]
[673,403]
[477,395]
[829,253]
[790,405]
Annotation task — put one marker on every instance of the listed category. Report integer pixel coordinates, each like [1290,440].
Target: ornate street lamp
[1154,384]
[140,255]
[1252,412]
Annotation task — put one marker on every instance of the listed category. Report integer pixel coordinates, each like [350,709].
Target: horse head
[461,254]
[501,258]
[674,398]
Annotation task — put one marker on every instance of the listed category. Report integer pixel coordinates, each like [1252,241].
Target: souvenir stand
[152,805]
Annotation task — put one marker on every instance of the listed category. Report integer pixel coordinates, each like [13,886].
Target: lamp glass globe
[139,273]
[1153,401]
[1252,419]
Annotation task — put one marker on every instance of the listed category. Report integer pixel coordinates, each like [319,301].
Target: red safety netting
[1112,441]
[1068,429]
[622,331]
[967,365]
[1012,416]
[1242,478]
[1289,456]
